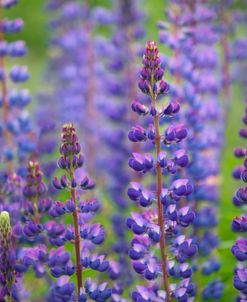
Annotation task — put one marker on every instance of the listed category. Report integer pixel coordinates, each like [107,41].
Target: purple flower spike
[166,218]
[60,262]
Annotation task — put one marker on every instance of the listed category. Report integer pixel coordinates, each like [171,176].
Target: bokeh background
[36,35]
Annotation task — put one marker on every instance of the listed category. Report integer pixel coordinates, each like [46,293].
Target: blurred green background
[36,35]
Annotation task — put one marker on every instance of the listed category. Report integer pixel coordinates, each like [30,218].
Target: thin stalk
[36,211]
[161,219]
[77,241]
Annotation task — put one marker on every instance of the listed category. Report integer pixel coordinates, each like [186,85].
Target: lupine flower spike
[70,161]
[164,219]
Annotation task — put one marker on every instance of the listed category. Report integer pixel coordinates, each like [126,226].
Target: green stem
[36,211]
[77,240]
[161,219]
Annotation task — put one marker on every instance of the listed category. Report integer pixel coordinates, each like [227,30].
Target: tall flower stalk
[70,149]
[159,226]
[70,161]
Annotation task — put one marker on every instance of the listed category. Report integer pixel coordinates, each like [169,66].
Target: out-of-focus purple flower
[18,136]
[239,224]
[190,33]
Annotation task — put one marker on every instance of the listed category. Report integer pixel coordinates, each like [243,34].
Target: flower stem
[36,211]
[161,219]
[77,242]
